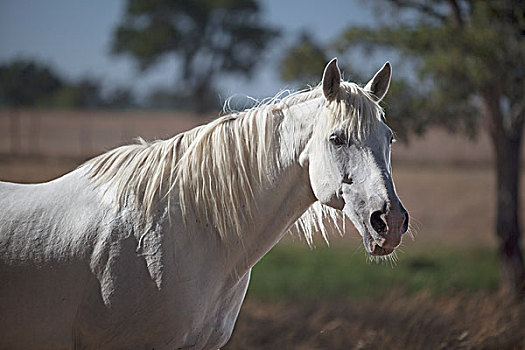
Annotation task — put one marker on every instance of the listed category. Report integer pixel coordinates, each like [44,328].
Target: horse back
[50,222]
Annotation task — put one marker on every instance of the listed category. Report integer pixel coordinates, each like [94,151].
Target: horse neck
[288,195]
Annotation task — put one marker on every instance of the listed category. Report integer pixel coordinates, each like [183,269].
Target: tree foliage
[303,61]
[209,38]
[462,49]
[26,83]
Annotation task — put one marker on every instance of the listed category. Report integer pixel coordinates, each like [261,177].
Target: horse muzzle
[387,228]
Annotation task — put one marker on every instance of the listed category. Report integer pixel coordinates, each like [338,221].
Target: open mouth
[373,248]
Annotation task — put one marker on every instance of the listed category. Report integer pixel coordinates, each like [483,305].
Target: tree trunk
[507,145]
[203,99]
[508,168]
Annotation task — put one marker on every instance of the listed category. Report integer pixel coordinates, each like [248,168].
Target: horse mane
[216,168]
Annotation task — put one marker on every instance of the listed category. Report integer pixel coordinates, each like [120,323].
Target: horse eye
[392,140]
[336,140]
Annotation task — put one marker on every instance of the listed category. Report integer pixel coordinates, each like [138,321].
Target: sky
[74,37]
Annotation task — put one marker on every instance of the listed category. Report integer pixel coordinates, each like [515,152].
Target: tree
[209,37]
[165,98]
[26,83]
[82,94]
[469,57]
[120,97]
[303,61]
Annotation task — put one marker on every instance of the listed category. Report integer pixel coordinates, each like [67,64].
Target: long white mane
[218,167]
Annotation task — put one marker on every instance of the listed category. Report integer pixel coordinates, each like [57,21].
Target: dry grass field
[396,322]
[447,184]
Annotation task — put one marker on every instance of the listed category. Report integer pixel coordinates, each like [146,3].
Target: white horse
[150,246]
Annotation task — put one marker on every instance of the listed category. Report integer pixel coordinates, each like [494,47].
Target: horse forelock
[217,168]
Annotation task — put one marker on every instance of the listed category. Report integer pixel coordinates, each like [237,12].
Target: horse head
[348,158]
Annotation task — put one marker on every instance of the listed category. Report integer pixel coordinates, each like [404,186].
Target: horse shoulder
[46,236]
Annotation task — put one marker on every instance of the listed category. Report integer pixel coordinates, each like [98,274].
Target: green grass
[295,271]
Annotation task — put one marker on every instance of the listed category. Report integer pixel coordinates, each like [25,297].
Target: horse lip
[373,247]
[380,251]
[372,243]
[379,240]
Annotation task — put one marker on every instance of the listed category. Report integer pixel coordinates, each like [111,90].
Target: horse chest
[181,316]
[209,316]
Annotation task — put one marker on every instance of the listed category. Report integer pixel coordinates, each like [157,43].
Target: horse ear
[331,80]
[378,85]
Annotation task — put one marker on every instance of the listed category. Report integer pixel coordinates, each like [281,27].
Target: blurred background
[78,78]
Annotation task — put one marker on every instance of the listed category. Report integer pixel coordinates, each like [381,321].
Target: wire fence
[82,134]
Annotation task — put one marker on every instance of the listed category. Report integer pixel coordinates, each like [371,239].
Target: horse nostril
[405,222]
[377,222]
